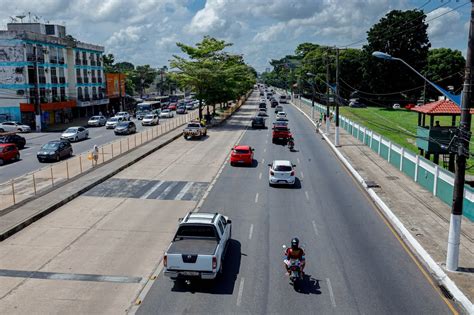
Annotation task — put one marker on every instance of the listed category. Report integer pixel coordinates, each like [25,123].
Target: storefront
[51,113]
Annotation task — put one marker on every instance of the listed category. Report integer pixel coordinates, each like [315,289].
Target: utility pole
[120,91]
[328,121]
[464,134]
[37,99]
[336,139]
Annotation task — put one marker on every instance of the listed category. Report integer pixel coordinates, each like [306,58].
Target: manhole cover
[391,177]
[371,184]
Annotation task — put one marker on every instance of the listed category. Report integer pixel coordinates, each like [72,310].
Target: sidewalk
[425,216]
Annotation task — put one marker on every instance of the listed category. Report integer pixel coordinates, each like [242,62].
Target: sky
[146,31]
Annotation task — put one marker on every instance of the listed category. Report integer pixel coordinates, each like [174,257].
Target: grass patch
[397,125]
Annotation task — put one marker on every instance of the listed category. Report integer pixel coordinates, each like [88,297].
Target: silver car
[166,113]
[97,121]
[75,134]
[112,122]
[14,126]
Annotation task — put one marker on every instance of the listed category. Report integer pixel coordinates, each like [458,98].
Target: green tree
[445,67]
[108,61]
[213,74]
[402,34]
[142,77]
[124,67]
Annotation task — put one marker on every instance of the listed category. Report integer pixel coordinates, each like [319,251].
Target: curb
[20,226]
[441,276]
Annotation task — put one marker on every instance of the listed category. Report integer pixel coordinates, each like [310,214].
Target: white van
[283,99]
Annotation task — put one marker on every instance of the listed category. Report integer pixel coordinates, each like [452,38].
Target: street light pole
[454,237]
[328,121]
[312,99]
[36,84]
[336,134]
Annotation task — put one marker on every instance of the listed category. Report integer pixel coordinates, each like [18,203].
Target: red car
[8,152]
[241,154]
[172,106]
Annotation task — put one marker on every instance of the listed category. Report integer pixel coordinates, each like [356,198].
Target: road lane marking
[251,231]
[183,191]
[331,294]
[307,195]
[167,190]
[266,141]
[264,150]
[263,161]
[151,190]
[302,175]
[260,176]
[241,290]
[256,198]
[297,159]
[315,228]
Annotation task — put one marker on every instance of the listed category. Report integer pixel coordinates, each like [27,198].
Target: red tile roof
[442,107]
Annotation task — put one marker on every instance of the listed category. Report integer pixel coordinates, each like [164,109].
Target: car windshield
[95,117]
[123,124]
[71,130]
[193,126]
[50,146]
[113,119]
[149,117]
[283,168]
[241,151]
[195,231]
[166,111]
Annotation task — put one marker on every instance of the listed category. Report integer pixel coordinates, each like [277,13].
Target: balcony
[53,60]
[94,97]
[86,98]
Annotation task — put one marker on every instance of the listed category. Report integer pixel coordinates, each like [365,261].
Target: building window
[94,78]
[54,94]
[85,77]
[79,94]
[84,58]
[31,75]
[99,76]
[32,95]
[86,94]
[40,53]
[54,76]
[62,91]
[94,93]
[41,76]
[62,78]
[78,58]
[61,55]
[30,56]
[53,54]
[43,98]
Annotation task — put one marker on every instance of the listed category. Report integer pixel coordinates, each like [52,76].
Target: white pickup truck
[198,247]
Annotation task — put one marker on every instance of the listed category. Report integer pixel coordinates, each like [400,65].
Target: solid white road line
[256,198]
[151,190]
[302,175]
[331,294]
[307,195]
[315,228]
[241,290]
[251,231]
[260,176]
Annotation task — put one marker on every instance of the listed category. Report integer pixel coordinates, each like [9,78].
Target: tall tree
[142,77]
[402,34]
[445,67]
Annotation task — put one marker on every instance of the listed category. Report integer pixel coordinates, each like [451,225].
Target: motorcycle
[291,145]
[294,267]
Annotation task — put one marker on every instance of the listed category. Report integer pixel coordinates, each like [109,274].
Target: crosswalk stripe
[184,191]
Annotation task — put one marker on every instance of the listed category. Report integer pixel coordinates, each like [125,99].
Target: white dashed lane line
[307,195]
[256,198]
[302,175]
[260,176]
[331,294]
[315,228]
[251,231]
[241,290]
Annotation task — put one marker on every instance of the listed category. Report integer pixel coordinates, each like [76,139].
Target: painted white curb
[441,276]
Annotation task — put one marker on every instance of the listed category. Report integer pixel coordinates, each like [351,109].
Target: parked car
[14,126]
[258,122]
[125,128]
[17,140]
[396,106]
[410,106]
[150,120]
[54,150]
[181,110]
[97,121]
[75,134]
[124,115]
[356,104]
[241,154]
[198,247]
[8,152]
[281,172]
[112,122]
[166,113]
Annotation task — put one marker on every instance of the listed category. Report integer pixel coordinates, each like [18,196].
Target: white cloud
[145,31]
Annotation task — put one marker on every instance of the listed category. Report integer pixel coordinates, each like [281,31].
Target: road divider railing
[27,186]
[437,180]
[231,109]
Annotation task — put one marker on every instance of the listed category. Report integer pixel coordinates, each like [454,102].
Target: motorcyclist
[295,252]
[291,142]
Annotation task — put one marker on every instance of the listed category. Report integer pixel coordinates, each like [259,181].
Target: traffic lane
[218,296]
[360,248]
[29,163]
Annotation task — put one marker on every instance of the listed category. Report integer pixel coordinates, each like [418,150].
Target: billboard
[115,84]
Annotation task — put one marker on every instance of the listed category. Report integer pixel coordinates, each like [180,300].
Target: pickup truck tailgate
[183,254]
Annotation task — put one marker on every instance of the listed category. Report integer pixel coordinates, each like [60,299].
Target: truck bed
[193,247]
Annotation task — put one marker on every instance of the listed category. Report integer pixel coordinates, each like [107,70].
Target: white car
[112,122]
[124,115]
[281,115]
[150,120]
[166,113]
[14,126]
[282,172]
[75,134]
[97,121]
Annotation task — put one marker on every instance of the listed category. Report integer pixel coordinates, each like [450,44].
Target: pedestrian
[95,154]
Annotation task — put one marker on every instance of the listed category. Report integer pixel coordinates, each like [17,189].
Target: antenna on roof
[21,17]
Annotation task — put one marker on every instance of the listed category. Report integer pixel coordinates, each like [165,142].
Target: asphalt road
[355,264]
[34,141]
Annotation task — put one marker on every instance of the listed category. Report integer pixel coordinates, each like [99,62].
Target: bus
[148,106]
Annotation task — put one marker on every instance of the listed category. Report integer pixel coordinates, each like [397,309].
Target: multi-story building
[44,73]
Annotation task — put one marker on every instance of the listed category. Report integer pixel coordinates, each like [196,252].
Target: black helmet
[295,242]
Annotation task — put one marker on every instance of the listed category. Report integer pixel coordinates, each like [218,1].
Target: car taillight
[272,173]
[165,260]
[292,173]
[214,262]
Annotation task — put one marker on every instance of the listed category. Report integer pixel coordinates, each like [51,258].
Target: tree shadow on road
[224,283]
[308,285]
